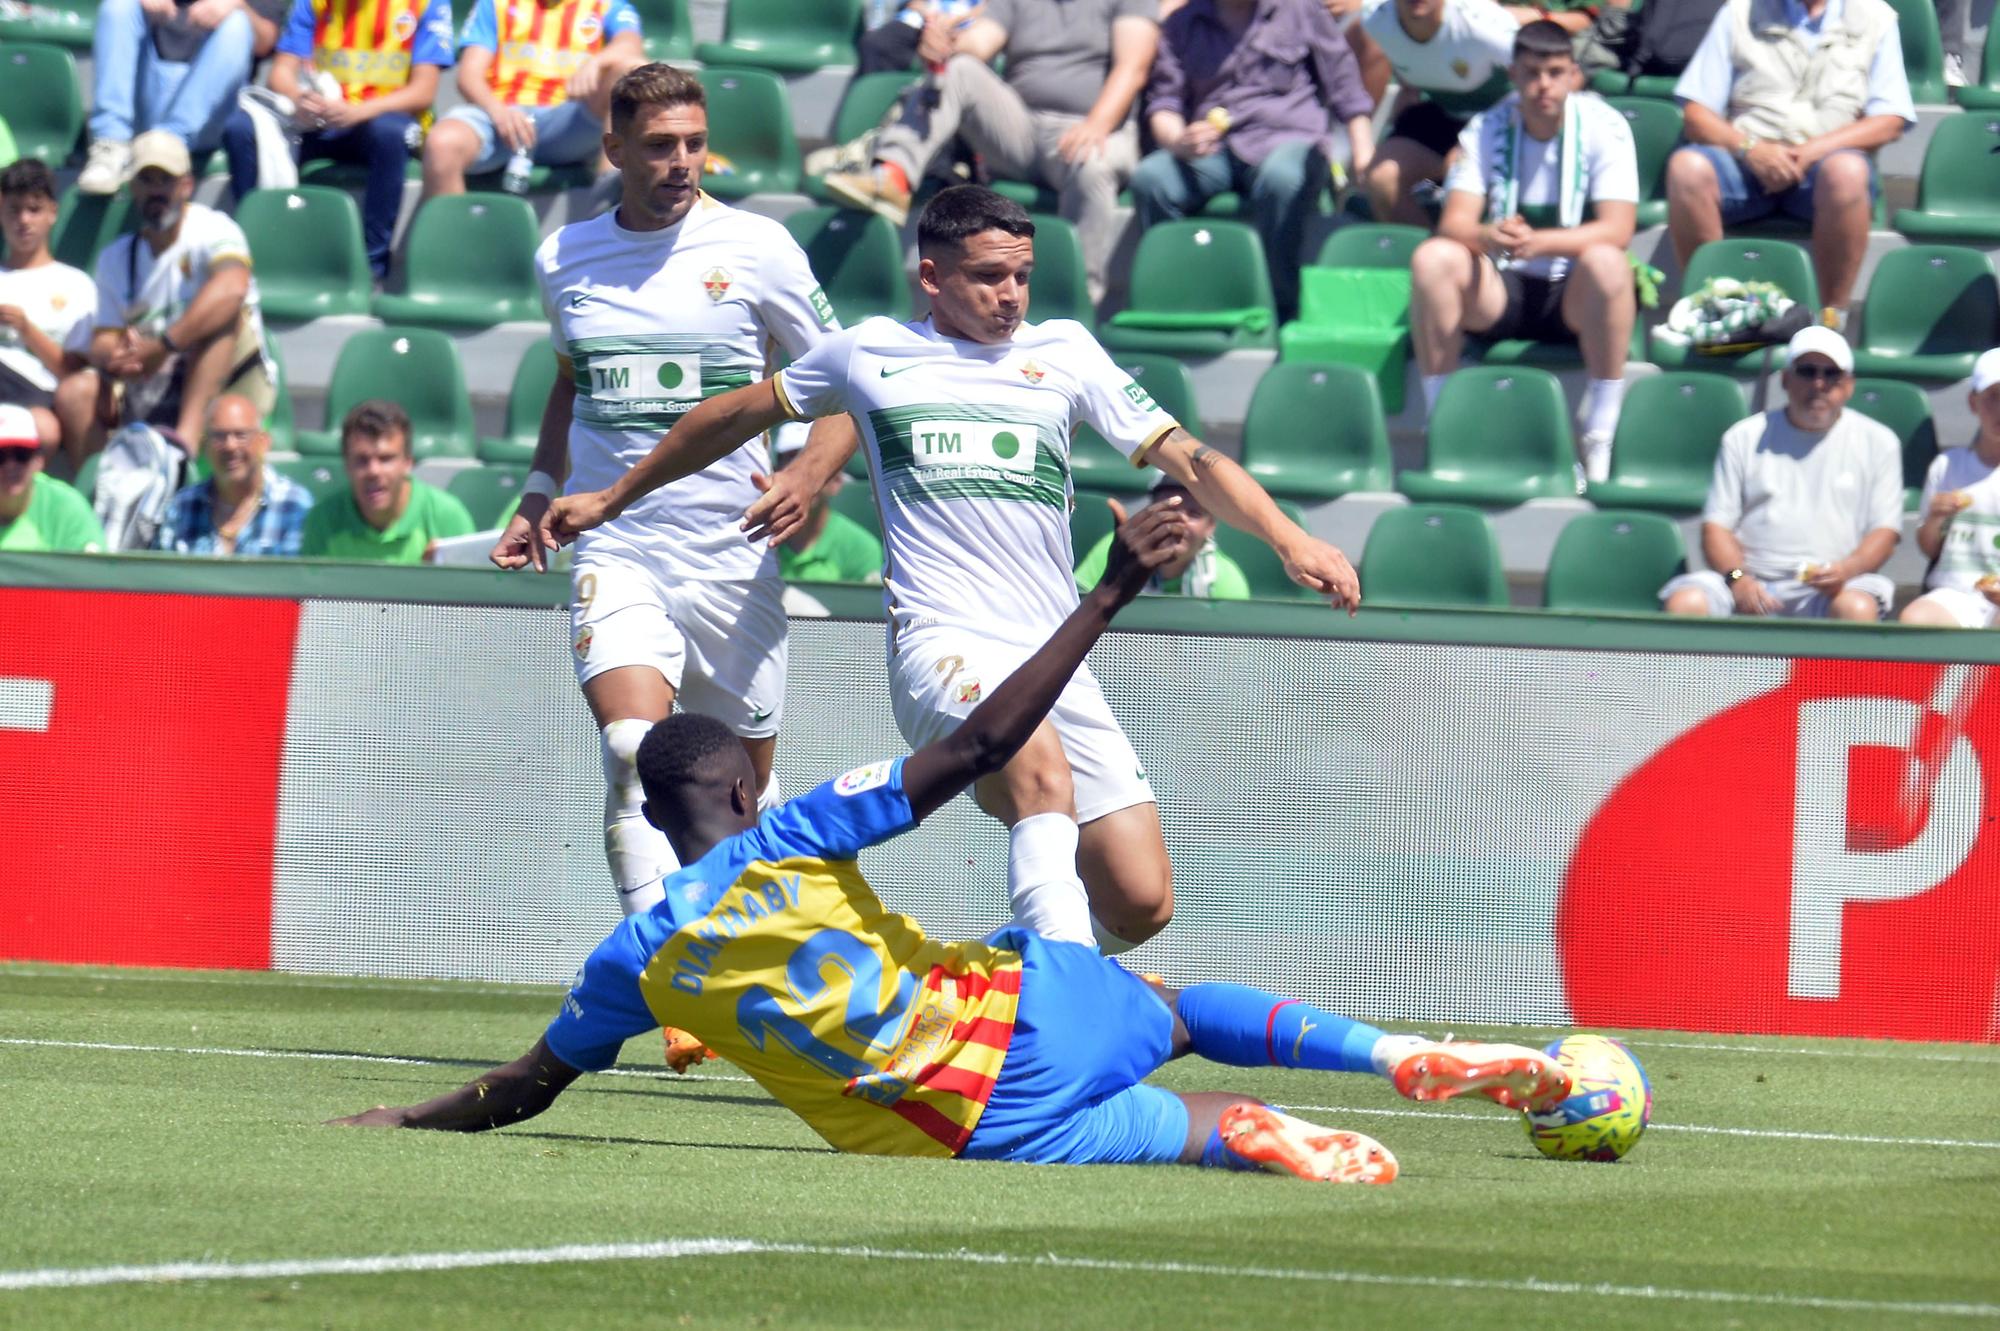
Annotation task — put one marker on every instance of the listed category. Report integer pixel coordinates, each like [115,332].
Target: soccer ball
[1608,1105]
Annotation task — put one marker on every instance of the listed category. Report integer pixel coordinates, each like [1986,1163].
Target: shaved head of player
[975,252]
[658,140]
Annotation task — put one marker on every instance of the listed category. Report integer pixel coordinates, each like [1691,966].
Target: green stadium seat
[666,27]
[348,175]
[1609,82]
[1929,312]
[86,475]
[1091,519]
[856,501]
[322,476]
[468,262]
[311,260]
[1613,562]
[750,128]
[1198,288]
[1923,50]
[1748,259]
[1370,245]
[1656,132]
[86,223]
[1094,461]
[488,493]
[1669,430]
[1316,432]
[1660,86]
[526,399]
[416,368]
[1499,435]
[1985,95]
[66,23]
[41,99]
[1059,289]
[280,422]
[1905,409]
[1436,555]
[1958,195]
[786,36]
[1262,568]
[858,259]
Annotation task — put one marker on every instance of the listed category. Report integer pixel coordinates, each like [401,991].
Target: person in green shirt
[386,516]
[38,514]
[1200,569]
[828,546]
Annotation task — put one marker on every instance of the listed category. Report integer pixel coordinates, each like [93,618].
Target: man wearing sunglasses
[38,514]
[1806,503]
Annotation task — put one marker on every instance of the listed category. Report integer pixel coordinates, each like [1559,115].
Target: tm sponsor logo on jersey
[639,377]
[997,444]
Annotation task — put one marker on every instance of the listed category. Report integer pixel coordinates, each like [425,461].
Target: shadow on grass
[662,1089]
[589,1138]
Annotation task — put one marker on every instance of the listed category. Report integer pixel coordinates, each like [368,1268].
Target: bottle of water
[515,179]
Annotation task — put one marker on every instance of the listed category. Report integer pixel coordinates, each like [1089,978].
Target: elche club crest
[716,283]
[1032,372]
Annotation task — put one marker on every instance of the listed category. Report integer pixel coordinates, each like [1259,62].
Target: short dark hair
[28,176]
[1543,38]
[955,215]
[377,418]
[657,84]
[675,752]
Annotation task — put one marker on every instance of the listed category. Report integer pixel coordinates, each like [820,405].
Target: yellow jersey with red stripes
[773,949]
[538,44]
[369,46]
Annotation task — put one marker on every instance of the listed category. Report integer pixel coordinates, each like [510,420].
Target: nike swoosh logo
[577,298]
[760,715]
[888,373]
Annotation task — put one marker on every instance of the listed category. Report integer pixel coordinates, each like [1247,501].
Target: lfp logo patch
[864,778]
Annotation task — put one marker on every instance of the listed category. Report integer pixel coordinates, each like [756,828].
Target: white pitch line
[81,1277]
[1909,1055]
[656,1074]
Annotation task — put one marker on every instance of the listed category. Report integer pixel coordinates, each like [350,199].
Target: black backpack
[1669,33]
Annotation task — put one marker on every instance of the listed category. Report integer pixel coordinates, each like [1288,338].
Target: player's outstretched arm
[788,494]
[1233,495]
[713,430]
[998,727]
[521,544]
[511,1093]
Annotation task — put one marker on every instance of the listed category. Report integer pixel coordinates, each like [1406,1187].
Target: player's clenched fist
[572,515]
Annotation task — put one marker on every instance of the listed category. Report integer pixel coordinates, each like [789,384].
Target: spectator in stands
[244,507]
[175,65]
[1656,40]
[387,516]
[1061,117]
[1240,99]
[1542,200]
[536,78]
[1954,25]
[828,546]
[1451,58]
[1806,504]
[1200,569]
[365,73]
[177,321]
[892,46]
[45,306]
[1786,101]
[38,514]
[1960,532]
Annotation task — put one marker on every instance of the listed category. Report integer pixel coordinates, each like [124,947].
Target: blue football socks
[1248,1028]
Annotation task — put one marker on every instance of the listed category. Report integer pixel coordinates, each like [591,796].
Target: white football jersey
[653,322]
[968,447]
[1472,48]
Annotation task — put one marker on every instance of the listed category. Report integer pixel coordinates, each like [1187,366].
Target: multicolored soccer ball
[1609,1102]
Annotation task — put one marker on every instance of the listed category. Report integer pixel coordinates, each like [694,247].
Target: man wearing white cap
[1806,503]
[177,321]
[1961,527]
[38,513]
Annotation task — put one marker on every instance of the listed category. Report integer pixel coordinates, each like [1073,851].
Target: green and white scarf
[1504,194]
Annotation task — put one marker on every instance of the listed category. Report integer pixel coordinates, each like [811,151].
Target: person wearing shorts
[536,77]
[1806,504]
[1960,532]
[772,946]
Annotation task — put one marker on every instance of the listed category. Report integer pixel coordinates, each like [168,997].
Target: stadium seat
[668,31]
[310,257]
[1985,95]
[1438,555]
[867,99]
[750,129]
[526,399]
[1613,562]
[1262,568]
[86,475]
[1929,312]
[1958,195]
[858,259]
[322,476]
[1663,455]
[1198,288]
[1370,245]
[1316,432]
[1499,435]
[1357,314]
[41,99]
[488,493]
[856,501]
[1923,50]
[1904,408]
[1091,518]
[415,367]
[86,223]
[786,36]
[1657,86]
[66,23]
[1058,289]
[1094,461]
[1748,259]
[468,262]
[280,422]
[1656,132]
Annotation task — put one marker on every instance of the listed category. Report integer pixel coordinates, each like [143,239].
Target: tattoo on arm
[1206,458]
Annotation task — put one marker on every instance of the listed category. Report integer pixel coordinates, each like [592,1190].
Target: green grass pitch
[1784,1183]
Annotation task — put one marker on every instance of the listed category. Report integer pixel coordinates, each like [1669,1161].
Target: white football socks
[1042,885]
[1393,1049]
[637,851]
[1602,399]
[771,796]
[1433,385]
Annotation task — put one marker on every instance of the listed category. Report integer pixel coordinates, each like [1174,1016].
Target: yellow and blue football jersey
[774,950]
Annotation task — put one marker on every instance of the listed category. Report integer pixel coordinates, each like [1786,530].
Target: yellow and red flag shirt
[369,46]
[538,44]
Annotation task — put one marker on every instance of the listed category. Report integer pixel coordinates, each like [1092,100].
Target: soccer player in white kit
[669,298]
[968,417]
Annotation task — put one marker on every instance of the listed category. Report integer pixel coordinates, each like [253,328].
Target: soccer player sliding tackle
[772,948]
